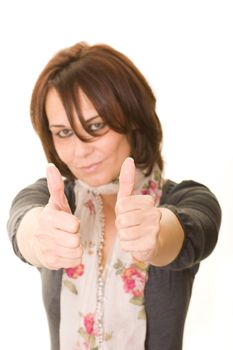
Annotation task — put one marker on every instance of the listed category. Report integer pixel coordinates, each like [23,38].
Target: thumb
[127,178]
[56,189]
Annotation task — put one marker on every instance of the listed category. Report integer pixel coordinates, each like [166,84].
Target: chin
[96,180]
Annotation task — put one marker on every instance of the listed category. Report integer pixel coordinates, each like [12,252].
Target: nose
[82,149]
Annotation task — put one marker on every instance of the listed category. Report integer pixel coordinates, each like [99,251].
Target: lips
[90,168]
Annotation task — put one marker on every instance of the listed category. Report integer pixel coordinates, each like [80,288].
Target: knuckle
[150,200]
[155,214]
[150,241]
[117,224]
[117,208]
[122,234]
[39,233]
[51,261]
[75,254]
[74,263]
[120,205]
[121,221]
[150,244]
[124,246]
[75,242]
[42,220]
[80,251]
[74,224]
[44,249]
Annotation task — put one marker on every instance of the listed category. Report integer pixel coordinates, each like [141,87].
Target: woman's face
[97,162]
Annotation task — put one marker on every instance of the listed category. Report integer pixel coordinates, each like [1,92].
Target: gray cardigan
[168,289]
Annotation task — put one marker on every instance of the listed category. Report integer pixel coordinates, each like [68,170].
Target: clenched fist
[137,218]
[56,236]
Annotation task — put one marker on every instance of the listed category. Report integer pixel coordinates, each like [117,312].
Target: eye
[65,133]
[96,126]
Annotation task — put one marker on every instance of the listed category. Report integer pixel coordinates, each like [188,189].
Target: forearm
[25,236]
[170,239]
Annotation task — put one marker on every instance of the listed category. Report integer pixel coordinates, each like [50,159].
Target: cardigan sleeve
[35,195]
[199,214]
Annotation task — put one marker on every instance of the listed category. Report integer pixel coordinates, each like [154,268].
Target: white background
[184,48]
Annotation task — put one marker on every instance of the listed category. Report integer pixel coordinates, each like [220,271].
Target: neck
[109,200]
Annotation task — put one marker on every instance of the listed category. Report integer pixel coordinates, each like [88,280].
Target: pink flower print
[145,191]
[129,284]
[89,332]
[89,323]
[150,188]
[75,272]
[134,281]
[90,205]
[153,185]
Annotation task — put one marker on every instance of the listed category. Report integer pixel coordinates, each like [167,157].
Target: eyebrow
[58,126]
[65,126]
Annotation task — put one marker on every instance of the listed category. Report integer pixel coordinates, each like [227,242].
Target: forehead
[86,106]
[55,110]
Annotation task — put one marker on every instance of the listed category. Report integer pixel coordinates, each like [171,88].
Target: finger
[59,238]
[128,219]
[53,218]
[56,189]
[139,244]
[67,253]
[143,218]
[134,202]
[129,234]
[127,178]
[56,262]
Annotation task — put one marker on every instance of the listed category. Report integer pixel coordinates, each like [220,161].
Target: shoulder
[172,188]
[188,193]
[35,192]
[38,193]
[193,197]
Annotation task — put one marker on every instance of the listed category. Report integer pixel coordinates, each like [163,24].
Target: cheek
[64,151]
[117,150]
[121,147]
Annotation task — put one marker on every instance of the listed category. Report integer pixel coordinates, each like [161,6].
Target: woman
[117,246]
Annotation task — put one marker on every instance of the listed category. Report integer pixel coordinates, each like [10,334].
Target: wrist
[148,256]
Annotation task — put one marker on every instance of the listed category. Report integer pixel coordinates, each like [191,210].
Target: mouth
[90,168]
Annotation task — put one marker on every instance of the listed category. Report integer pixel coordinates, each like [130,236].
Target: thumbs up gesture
[57,241]
[137,218]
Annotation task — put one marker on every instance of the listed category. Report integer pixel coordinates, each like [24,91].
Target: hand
[137,218]
[56,237]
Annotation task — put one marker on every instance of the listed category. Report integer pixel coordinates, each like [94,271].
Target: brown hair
[118,91]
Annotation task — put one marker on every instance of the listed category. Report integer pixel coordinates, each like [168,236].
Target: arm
[170,239]
[25,238]
[198,212]
[34,196]
[177,235]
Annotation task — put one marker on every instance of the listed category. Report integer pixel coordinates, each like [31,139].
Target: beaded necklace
[100,281]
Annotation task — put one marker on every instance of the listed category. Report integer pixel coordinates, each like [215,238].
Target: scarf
[103,308]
